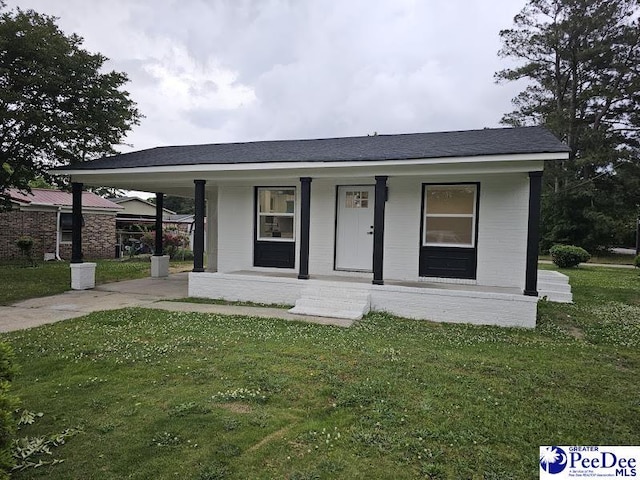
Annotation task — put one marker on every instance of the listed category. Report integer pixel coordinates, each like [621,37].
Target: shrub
[172,241]
[566,256]
[148,239]
[8,405]
[636,261]
[25,244]
[183,254]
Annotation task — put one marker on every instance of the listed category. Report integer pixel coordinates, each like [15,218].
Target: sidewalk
[145,293]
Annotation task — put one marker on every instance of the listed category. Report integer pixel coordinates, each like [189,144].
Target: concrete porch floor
[154,293]
[363,279]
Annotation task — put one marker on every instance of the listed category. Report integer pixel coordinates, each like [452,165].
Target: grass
[221,301]
[50,278]
[152,394]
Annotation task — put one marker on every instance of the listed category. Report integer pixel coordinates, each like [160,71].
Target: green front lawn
[154,394]
[50,278]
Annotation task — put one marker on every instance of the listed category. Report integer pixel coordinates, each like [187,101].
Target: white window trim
[275,214]
[473,216]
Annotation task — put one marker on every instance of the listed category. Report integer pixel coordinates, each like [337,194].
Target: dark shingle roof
[370,148]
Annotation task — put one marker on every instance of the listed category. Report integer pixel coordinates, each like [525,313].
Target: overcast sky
[208,71]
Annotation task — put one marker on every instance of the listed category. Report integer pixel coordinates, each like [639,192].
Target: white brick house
[440,226]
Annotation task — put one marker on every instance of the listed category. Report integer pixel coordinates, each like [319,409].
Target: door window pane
[357,200]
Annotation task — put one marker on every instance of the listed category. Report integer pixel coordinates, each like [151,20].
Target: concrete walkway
[145,293]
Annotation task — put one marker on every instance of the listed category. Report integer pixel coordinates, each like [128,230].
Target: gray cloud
[214,71]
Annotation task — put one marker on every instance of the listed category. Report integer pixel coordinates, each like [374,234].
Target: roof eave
[208,167]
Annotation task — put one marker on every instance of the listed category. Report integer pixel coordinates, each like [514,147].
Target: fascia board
[271,166]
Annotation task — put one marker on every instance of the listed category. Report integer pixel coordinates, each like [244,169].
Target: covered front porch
[439,226]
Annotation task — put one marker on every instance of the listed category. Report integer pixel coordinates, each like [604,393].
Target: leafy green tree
[57,106]
[179,204]
[580,59]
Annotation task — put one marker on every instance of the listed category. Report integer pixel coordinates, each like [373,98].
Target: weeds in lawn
[617,324]
[309,442]
[215,471]
[166,439]
[188,408]
[240,395]
[33,452]
[28,417]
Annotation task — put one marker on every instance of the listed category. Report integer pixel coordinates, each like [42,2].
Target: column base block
[160,266]
[83,276]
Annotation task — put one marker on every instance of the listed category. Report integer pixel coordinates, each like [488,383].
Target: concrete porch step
[329,301]
[554,286]
[551,276]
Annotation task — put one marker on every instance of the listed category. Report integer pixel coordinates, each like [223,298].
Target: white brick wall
[441,305]
[235,228]
[212,229]
[270,290]
[402,228]
[501,235]
[323,227]
[480,308]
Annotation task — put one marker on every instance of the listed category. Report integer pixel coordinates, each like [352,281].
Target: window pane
[276,200]
[66,220]
[449,230]
[456,199]
[357,200]
[274,226]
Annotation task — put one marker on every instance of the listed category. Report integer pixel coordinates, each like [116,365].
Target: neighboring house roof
[180,218]
[500,141]
[57,198]
[123,201]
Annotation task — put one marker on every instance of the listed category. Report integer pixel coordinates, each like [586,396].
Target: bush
[8,405]
[172,241]
[566,256]
[183,254]
[636,261]
[25,244]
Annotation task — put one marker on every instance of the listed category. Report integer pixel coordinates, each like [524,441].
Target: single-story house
[45,215]
[440,226]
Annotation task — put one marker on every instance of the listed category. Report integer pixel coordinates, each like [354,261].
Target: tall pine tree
[581,61]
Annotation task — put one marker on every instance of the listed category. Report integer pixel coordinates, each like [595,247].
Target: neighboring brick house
[45,215]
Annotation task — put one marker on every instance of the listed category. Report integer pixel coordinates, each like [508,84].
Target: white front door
[354,229]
